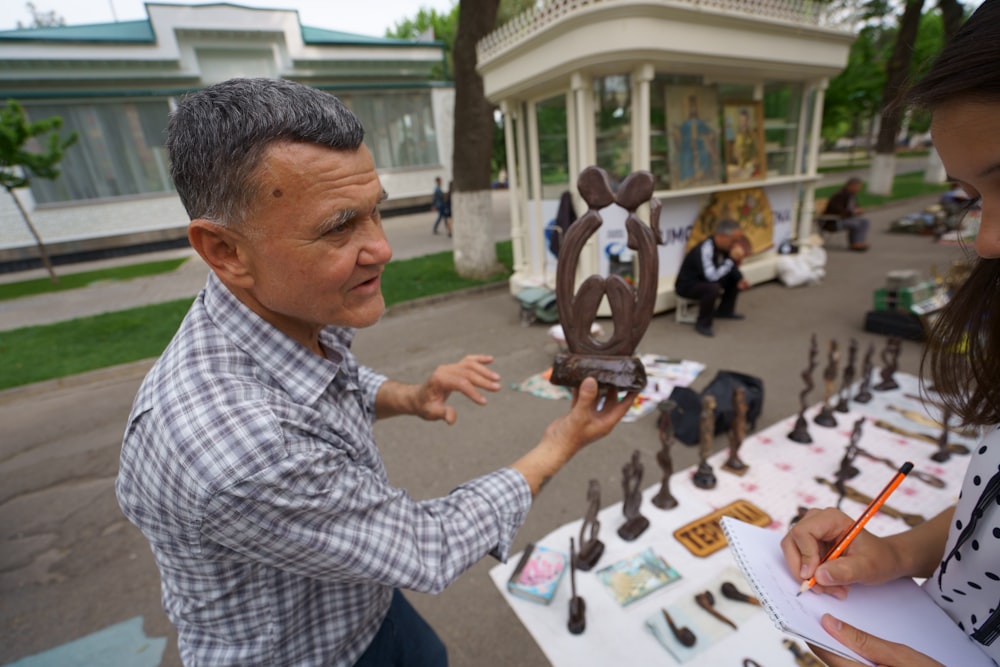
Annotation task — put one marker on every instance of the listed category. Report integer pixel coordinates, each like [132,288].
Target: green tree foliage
[41,19]
[443,25]
[30,149]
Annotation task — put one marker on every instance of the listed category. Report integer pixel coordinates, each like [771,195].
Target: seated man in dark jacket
[844,204]
[710,269]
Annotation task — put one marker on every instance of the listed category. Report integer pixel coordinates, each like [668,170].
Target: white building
[115,83]
[664,86]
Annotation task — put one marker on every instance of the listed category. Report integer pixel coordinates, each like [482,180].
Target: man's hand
[876,649]
[588,420]
[428,400]
[743,284]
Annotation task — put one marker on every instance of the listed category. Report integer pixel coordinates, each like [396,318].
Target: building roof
[141,31]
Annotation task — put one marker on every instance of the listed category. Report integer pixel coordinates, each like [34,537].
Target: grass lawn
[905,186]
[33,354]
[83,279]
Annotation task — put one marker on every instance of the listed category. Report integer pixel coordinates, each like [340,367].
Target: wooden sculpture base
[587,557]
[622,373]
[633,528]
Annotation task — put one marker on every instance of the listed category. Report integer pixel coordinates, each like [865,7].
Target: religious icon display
[693,128]
[746,159]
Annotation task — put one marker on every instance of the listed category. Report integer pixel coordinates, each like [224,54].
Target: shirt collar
[301,373]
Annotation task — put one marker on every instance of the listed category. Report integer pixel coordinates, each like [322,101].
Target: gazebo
[720,99]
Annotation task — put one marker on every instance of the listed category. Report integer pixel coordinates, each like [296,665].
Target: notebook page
[899,611]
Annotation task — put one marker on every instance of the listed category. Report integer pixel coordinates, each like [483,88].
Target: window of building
[553,148]
[613,122]
[120,150]
[399,127]
[782,106]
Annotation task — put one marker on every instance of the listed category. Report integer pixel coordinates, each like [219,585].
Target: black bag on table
[686,415]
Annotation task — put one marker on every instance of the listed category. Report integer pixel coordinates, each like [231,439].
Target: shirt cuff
[510,497]
[370,382]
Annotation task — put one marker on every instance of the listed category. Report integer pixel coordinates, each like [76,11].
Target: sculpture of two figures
[800,432]
[664,424]
[737,433]
[890,362]
[845,383]
[847,469]
[635,523]
[591,549]
[704,476]
[610,361]
[867,366]
[825,416]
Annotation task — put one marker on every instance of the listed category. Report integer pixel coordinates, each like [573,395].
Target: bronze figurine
[923,476]
[825,416]
[800,433]
[845,383]
[847,469]
[803,658]
[610,361]
[663,498]
[635,523]
[864,389]
[704,476]
[591,548]
[943,453]
[577,607]
[890,362]
[851,493]
[737,433]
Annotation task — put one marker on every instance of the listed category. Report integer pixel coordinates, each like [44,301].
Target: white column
[812,162]
[517,230]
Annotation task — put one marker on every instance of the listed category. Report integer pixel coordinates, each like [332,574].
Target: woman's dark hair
[962,357]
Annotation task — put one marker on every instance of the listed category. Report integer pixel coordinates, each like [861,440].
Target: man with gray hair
[843,204]
[249,461]
[710,270]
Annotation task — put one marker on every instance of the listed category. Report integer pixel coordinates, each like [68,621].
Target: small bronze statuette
[706,601]
[704,476]
[664,499]
[610,362]
[591,548]
[847,469]
[737,433]
[684,635]
[825,416]
[925,477]
[853,494]
[845,383]
[864,389]
[635,523]
[803,658]
[730,591]
[890,362]
[944,452]
[577,607]
[800,433]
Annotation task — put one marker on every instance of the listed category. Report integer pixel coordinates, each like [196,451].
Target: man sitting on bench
[844,205]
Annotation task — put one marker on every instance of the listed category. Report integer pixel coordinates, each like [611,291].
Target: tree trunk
[475,248]
[43,253]
[897,72]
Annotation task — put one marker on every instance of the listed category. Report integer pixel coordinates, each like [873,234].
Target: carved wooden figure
[865,388]
[610,361]
[591,548]
[847,469]
[704,476]
[825,416]
[577,607]
[635,523]
[944,452]
[737,433]
[664,499]
[890,362]
[845,383]
[800,433]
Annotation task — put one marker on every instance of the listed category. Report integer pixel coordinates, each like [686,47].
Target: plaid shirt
[250,466]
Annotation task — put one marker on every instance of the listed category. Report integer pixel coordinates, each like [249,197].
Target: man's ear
[220,248]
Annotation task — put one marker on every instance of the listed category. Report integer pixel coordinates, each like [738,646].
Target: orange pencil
[858,526]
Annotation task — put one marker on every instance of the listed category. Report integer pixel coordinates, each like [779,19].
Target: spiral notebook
[899,611]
